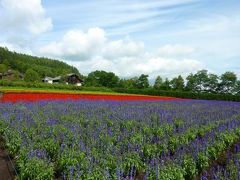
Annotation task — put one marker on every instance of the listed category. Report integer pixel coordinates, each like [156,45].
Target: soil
[1,96]
[6,168]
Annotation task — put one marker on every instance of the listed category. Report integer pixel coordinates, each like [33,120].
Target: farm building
[68,79]
[51,80]
[73,79]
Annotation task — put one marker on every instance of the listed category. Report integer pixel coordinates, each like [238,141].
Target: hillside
[44,66]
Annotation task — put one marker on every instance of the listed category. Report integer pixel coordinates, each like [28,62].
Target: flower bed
[16,97]
[90,139]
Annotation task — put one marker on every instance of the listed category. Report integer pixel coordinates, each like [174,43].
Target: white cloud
[175,49]
[92,51]
[215,23]
[16,48]
[132,66]
[24,15]
[76,45]
[123,48]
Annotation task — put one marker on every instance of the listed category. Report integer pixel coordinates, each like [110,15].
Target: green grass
[8,89]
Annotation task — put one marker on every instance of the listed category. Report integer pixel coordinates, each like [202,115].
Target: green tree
[43,66]
[158,83]
[201,83]
[31,76]
[177,83]
[3,68]
[142,82]
[237,88]
[102,78]
[191,81]
[212,83]
[128,83]
[228,82]
[6,63]
[166,84]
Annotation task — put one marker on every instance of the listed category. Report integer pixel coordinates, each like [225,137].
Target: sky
[127,37]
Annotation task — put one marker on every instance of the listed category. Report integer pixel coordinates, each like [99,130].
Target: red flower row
[16,97]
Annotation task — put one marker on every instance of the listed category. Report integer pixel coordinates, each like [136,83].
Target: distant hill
[43,66]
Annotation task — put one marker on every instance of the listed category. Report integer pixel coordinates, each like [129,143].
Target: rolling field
[98,137]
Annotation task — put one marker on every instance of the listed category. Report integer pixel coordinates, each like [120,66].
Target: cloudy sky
[128,37]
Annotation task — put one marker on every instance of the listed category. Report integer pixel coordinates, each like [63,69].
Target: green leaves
[31,76]
[171,172]
[71,157]
[173,143]
[202,161]
[36,169]
[132,160]
[189,167]
[13,142]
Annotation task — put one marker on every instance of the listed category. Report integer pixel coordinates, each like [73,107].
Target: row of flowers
[16,97]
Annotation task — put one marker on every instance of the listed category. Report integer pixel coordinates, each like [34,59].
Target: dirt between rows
[1,96]
[6,169]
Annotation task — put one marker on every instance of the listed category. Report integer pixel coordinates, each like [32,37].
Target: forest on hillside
[20,63]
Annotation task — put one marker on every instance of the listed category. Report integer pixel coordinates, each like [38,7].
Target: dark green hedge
[180,94]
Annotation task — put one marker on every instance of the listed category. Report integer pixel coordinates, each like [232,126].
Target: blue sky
[128,37]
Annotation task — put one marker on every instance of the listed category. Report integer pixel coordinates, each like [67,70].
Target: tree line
[200,82]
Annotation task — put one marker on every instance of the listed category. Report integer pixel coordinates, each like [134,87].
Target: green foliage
[51,147]
[142,82]
[31,76]
[127,83]
[3,127]
[43,66]
[158,83]
[178,122]
[13,142]
[171,172]
[177,83]
[189,167]
[71,157]
[228,82]
[36,169]
[180,94]
[23,84]
[132,160]
[202,161]
[3,68]
[102,78]
[166,85]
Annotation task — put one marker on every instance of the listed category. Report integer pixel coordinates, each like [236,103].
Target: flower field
[89,139]
[35,96]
